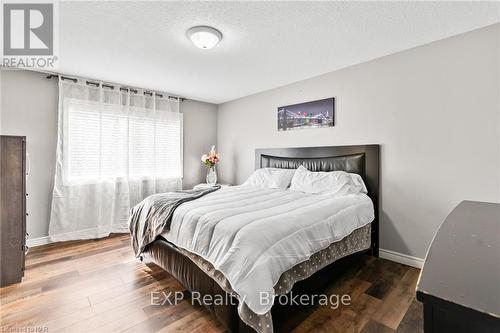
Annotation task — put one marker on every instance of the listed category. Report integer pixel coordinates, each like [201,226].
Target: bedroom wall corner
[200,133]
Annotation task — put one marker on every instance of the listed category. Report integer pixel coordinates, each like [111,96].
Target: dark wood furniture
[13,207]
[361,159]
[460,281]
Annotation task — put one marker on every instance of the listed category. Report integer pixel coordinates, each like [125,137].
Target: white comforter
[253,235]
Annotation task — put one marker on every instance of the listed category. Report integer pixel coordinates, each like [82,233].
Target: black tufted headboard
[363,160]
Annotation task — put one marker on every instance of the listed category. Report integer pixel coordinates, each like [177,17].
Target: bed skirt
[197,275]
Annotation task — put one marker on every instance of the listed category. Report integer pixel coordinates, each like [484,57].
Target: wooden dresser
[460,281]
[13,208]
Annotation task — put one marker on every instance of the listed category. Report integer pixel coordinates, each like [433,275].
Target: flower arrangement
[211,159]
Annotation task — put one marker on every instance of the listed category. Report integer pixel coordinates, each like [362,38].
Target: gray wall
[29,107]
[433,109]
[200,133]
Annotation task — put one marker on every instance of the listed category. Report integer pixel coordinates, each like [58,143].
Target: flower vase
[211,176]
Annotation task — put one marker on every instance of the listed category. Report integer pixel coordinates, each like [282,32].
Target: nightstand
[204,186]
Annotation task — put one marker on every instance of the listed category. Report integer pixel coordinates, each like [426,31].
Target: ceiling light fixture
[204,37]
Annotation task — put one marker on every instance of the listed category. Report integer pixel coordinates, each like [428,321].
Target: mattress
[253,235]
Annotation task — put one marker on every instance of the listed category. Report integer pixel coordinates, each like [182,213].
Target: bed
[191,267]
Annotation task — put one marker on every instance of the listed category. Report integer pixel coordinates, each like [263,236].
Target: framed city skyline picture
[315,114]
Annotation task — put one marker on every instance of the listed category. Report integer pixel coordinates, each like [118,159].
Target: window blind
[106,142]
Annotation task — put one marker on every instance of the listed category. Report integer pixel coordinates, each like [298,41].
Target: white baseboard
[92,233]
[384,254]
[401,258]
[33,242]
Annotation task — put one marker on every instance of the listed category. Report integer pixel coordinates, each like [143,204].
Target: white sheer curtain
[114,149]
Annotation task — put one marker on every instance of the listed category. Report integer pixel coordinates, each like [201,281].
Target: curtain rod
[126,89]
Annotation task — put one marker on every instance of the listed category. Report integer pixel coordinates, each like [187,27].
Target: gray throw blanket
[153,215]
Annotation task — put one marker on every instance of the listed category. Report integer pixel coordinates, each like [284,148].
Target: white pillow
[270,178]
[335,182]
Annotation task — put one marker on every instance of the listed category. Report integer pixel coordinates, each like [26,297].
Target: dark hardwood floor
[98,286]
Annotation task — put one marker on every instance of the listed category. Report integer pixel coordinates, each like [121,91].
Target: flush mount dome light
[204,37]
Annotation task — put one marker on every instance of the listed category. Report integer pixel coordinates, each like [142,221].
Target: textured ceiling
[265,44]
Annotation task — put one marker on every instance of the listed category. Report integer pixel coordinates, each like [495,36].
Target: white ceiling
[265,44]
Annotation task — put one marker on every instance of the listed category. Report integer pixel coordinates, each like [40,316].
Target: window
[110,142]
